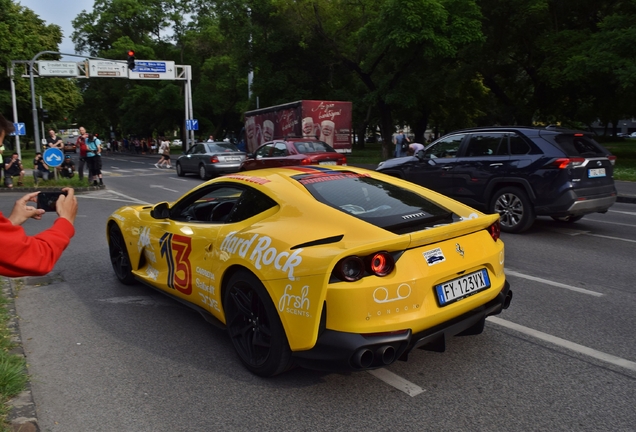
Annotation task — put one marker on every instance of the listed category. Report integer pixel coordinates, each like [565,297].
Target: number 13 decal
[176,248]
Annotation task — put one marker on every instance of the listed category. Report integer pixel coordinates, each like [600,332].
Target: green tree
[24,35]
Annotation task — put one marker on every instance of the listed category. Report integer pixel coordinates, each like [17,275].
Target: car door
[435,169]
[188,163]
[484,157]
[180,252]
[279,156]
[260,157]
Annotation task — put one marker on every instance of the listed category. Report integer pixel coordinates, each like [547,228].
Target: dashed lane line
[397,381]
[599,355]
[553,283]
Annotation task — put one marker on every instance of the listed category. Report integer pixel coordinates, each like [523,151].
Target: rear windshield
[221,148]
[382,204]
[579,145]
[312,147]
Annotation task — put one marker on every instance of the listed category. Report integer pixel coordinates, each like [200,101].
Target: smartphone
[47,200]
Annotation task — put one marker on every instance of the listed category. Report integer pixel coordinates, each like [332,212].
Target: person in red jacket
[24,255]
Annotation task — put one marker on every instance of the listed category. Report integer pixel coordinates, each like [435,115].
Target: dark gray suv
[518,172]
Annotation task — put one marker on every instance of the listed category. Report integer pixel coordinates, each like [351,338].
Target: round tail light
[350,269]
[381,263]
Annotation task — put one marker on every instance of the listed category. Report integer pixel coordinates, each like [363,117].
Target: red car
[293,151]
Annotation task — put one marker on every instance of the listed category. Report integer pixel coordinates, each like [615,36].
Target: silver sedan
[210,159]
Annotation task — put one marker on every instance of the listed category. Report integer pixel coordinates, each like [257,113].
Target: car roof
[528,130]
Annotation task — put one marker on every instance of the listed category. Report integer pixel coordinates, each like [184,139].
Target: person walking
[164,150]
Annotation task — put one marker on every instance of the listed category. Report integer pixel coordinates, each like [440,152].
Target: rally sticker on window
[434,256]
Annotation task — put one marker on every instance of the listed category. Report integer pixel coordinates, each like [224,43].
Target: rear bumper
[340,351]
[580,202]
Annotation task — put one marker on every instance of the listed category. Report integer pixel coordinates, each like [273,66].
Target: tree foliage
[440,64]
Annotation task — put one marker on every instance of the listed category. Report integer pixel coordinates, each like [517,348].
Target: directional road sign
[53,157]
[107,69]
[20,129]
[192,124]
[153,70]
[57,68]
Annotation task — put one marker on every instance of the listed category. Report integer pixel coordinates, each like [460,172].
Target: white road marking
[599,355]
[622,212]
[104,195]
[397,381]
[556,284]
[163,187]
[611,223]
[611,238]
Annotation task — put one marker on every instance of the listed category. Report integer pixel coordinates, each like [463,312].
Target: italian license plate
[327,163]
[596,172]
[456,289]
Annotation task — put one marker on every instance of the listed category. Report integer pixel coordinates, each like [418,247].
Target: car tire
[568,219]
[515,210]
[203,174]
[254,326]
[180,172]
[119,256]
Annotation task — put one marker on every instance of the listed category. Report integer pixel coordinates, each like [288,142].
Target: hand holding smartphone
[47,200]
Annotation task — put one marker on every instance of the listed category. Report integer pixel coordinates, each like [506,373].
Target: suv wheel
[514,208]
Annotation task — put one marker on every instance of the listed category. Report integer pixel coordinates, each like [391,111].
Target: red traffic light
[131,53]
[131,59]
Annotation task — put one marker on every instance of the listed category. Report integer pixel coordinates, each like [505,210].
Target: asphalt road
[106,357]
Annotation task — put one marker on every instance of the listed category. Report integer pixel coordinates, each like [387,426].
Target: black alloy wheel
[515,210]
[254,326]
[119,256]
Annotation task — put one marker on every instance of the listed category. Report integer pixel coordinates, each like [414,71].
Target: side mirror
[421,155]
[160,211]
[250,156]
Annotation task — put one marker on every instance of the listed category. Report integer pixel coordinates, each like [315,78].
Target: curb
[22,414]
[626,199]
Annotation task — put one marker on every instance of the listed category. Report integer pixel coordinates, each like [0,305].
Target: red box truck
[328,121]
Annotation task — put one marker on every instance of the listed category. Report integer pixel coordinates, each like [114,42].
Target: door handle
[496,164]
[447,167]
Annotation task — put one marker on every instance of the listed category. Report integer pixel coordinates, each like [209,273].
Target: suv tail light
[612,159]
[572,162]
[495,230]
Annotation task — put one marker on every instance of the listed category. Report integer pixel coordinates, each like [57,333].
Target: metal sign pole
[15,112]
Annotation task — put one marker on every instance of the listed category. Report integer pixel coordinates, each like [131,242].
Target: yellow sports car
[332,268]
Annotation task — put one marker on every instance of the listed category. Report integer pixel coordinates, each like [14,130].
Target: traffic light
[131,59]
[45,114]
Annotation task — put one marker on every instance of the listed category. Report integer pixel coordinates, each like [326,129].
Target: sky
[60,13]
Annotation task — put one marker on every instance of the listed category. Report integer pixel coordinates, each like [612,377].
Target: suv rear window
[379,203]
[579,145]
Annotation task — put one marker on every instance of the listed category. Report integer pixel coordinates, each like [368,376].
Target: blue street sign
[20,129]
[192,124]
[53,157]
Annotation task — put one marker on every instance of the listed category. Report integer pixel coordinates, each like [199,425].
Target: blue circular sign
[53,157]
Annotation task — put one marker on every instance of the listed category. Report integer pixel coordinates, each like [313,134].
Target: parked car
[326,267]
[518,172]
[210,160]
[293,151]
[177,142]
